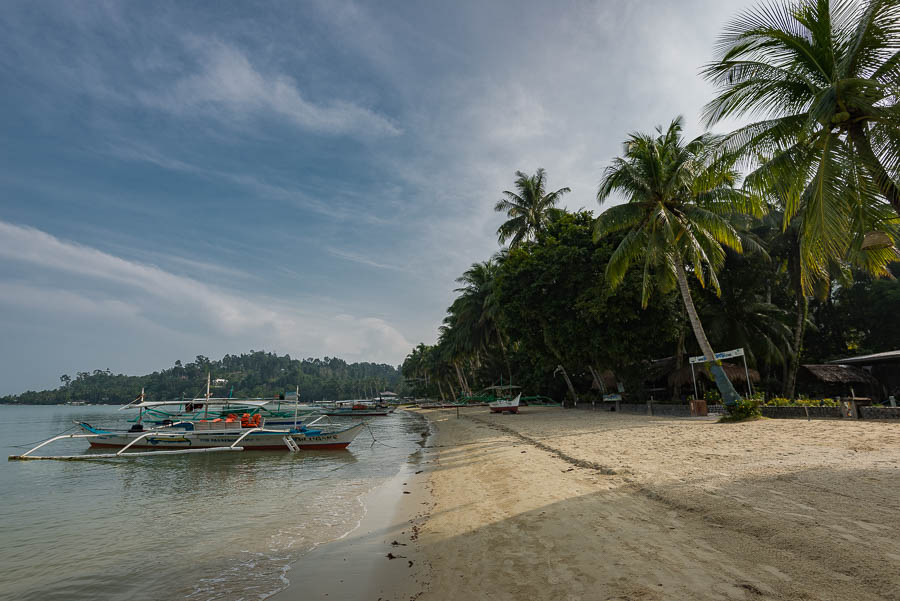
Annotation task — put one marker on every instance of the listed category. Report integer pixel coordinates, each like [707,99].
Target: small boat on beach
[502,405]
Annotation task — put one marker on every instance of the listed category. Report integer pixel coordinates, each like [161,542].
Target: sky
[185,178]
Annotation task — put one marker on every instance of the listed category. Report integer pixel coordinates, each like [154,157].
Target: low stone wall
[665,410]
[880,412]
[641,408]
[791,412]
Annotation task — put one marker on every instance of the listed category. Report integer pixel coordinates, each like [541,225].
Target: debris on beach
[392,556]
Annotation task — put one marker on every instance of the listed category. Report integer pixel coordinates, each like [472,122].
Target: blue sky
[300,177]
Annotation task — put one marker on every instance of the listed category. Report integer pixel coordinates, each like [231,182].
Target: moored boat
[215,434]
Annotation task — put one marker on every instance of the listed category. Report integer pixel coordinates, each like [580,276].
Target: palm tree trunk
[568,383]
[505,356]
[452,390]
[790,383]
[441,388]
[726,389]
[459,377]
[883,180]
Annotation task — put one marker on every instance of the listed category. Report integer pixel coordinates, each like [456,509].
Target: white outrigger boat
[233,433]
[501,405]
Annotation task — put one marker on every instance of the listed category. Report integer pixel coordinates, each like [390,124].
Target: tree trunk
[459,376]
[679,353]
[568,383]
[726,389]
[441,388]
[505,357]
[883,180]
[790,382]
[452,390]
[600,386]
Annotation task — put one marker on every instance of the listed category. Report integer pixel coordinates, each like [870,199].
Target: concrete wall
[783,412]
[880,412]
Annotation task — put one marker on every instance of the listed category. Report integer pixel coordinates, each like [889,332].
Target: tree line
[778,237]
[253,374]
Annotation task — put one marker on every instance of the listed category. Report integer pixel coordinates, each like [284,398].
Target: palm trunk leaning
[729,395]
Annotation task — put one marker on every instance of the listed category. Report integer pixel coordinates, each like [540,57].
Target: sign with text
[738,352]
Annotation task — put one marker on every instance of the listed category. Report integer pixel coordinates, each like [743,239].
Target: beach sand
[580,505]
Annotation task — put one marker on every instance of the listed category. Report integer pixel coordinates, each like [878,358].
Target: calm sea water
[197,527]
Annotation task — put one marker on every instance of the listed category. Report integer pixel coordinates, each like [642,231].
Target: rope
[375,440]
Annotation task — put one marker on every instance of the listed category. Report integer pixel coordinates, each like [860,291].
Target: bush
[783,402]
[743,409]
[712,396]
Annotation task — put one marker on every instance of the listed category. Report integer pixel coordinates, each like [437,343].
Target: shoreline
[356,566]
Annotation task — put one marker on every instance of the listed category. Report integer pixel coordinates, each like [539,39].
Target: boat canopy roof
[250,402]
[503,387]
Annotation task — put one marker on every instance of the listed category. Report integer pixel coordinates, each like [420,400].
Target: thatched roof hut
[737,375]
[837,380]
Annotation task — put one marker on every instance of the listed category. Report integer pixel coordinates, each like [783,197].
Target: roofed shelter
[884,367]
[829,380]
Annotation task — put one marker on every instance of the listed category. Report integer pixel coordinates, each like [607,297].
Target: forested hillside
[256,374]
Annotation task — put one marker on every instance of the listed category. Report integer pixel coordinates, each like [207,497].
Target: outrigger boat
[232,433]
[276,412]
[501,405]
[355,409]
[251,434]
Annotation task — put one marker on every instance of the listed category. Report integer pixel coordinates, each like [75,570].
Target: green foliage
[712,396]
[823,75]
[257,374]
[742,410]
[784,402]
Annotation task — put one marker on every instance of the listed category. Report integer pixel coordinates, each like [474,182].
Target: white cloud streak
[89,282]
[226,84]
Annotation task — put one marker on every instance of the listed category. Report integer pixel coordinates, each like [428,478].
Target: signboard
[738,352]
[612,397]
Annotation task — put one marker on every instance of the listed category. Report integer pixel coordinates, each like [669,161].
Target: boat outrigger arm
[121,452]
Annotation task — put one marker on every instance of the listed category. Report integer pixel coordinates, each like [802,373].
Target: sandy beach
[578,505]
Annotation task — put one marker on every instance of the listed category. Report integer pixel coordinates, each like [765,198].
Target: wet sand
[579,505]
[357,567]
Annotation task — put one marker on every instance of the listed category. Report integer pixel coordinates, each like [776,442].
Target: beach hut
[884,367]
[682,378]
[832,380]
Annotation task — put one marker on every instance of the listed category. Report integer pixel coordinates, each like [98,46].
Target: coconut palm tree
[476,311]
[825,74]
[678,201]
[529,210]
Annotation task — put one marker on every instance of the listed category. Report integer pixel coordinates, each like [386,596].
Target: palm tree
[675,218]
[476,311]
[825,74]
[529,211]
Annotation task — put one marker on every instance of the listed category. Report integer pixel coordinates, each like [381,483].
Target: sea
[198,527]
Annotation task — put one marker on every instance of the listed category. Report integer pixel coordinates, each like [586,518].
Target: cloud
[65,278]
[362,260]
[226,84]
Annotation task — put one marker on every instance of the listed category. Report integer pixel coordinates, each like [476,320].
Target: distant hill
[255,374]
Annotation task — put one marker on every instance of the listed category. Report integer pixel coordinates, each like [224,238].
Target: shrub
[712,396]
[743,409]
